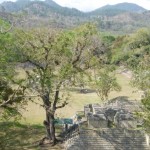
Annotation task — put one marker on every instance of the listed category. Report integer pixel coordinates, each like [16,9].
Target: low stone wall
[97,121]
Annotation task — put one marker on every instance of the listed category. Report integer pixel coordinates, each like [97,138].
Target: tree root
[46,140]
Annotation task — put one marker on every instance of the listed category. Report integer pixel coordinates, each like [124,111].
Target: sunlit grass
[36,114]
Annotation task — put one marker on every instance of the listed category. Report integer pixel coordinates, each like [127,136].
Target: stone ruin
[110,126]
[97,121]
[111,114]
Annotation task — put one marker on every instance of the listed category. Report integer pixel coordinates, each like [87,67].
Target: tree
[60,60]
[105,82]
[139,39]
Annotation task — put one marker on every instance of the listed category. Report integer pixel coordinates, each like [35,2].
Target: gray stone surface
[123,136]
[125,120]
[97,121]
[110,114]
[109,139]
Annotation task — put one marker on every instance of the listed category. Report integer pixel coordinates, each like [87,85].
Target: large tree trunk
[52,129]
[48,126]
[47,105]
[50,112]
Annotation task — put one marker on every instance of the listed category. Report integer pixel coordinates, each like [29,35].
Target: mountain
[9,6]
[119,19]
[52,3]
[112,10]
[125,7]
[47,6]
[36,13]
[51,6]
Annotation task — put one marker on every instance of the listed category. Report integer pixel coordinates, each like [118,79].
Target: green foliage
[106,82]
[10,98]
[119,58]
[108,39]
[142,81]
[130,50]
[67,54]
[119,54]
[59,60]
[7,54]
[142,74]
[4,24]
[139,46]
[139,39]
[134,52]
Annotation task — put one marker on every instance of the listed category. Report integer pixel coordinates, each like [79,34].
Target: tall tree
[60,60]
[105,82]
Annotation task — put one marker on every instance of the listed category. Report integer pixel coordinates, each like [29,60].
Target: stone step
[107,140]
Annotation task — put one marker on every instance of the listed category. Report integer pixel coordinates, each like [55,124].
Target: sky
[89,5]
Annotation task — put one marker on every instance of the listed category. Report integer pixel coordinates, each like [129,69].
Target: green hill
[47,6]
[118,19]
[112,10]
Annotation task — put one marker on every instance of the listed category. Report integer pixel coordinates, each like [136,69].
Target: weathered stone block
[97,121]
[110,113]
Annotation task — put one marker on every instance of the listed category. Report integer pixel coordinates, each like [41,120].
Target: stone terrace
[110,139]
[110,126]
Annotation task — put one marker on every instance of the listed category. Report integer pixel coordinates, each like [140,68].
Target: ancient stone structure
[97,121]
[116,113]
[111,126]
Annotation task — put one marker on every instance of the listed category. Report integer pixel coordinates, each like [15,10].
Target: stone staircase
[124,139]
[107,139]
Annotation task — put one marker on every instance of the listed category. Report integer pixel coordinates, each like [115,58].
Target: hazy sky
[88,5]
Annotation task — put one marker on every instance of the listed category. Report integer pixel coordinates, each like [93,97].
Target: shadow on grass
[82,90]
[16,136]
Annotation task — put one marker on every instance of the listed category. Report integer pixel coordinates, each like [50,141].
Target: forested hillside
[117,19]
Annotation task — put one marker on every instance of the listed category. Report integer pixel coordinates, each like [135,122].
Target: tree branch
[63,105]
[56,99]
[56,95]
[11,99]
[38,65]
[79,50]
